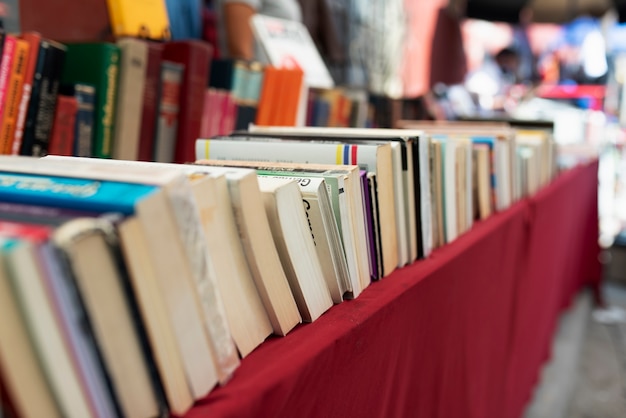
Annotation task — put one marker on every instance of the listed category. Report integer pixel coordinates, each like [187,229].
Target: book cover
[287,218]
[6,67]
[63,127]
[196,57]
[97,64]
[169,110]
[13,96]
[146,19]
[34,42]
[149,112]
[22,376]
[129,100]
[43,100]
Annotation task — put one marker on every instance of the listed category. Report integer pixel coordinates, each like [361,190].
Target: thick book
[287,218]
[97,64]
[13,95]
[147,19]
[90,247]
[129,101]
[22,376]
[63,127]
[168,102]
[43,99]
[196,57]
[149,112]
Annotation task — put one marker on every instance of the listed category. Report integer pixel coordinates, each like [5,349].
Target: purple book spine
[369,225]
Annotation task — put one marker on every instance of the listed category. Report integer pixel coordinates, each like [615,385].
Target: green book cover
[97,64]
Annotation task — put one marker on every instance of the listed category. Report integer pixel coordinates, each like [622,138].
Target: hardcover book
[97,64]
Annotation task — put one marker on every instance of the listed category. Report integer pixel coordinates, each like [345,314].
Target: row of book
[134,288]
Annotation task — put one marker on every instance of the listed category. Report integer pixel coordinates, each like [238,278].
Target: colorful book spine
[72,193]
[63,129]
[83,131]
[167,121]
[43,100]
[6,66]
[34,42]
[149,113]
[13,96]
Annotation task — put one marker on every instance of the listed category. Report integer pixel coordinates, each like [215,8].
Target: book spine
[106,114]
[196,56]
[62,137]
[83,130]
[16,82]
[128,108]
[167,121]
[71,193]
[6,66]
[34,41]
[150,103]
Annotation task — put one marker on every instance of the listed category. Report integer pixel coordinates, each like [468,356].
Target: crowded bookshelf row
[135,288]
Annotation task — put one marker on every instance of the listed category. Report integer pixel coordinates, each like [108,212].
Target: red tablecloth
[462,334]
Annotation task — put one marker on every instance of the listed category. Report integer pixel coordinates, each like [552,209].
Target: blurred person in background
[491,82]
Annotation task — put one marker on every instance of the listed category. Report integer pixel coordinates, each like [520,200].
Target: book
[283,205]
[149,203]
[26,277]
[196,57]
[34,42]
[63,127]
[13,95]
[168,111]
[43,99]
[85,96]
[149,112]
[97,64]
[22,374]
[89,246]
[288,44]
[147,19]
[263,260]
[6,68]
[129,100]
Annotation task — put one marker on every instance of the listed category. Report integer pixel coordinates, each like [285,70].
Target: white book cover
[288,44]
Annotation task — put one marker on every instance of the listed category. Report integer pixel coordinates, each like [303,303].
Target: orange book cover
[267,100]
[291,100]
[13,96]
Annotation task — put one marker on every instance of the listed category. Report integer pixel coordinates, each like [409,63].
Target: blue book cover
[72,193]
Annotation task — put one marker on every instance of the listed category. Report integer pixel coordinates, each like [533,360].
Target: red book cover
[62,138]
[196,57]
[150,102]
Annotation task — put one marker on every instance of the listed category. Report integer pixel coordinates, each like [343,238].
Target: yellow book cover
[139,18]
